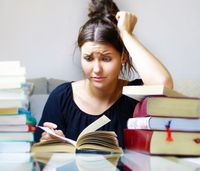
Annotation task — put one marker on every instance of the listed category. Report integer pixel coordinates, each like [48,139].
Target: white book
[16,136]
[15,147]
[10,79]
[16,162]
[14,166]
[10,85]
[12,82]
[16,128]
[17,93]
[10,103]
[21,71]
[18,119]
[142,91]
[10,64]
[160,123]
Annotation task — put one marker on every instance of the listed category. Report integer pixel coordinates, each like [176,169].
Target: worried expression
[101,63]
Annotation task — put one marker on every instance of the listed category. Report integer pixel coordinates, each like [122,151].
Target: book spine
[141,109]
[138,140]
[139,123]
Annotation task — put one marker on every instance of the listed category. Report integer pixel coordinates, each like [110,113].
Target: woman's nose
[97,67]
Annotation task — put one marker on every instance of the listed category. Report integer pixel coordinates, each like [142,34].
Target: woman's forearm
[150,69]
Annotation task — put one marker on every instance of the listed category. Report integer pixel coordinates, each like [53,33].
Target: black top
[63,111]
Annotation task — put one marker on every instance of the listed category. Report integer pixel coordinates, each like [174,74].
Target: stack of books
[16,122]
[164,122]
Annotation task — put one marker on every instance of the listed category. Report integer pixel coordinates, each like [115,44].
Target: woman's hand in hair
[126,21]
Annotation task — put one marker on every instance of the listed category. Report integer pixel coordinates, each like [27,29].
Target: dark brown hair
[102,28]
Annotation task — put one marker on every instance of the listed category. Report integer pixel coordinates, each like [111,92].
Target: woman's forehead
[91,47]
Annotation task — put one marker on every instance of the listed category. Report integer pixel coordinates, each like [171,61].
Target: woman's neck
[109,93]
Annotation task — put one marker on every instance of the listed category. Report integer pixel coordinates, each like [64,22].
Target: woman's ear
[123,58]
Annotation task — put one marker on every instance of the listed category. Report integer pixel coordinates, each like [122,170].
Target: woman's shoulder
[62,89]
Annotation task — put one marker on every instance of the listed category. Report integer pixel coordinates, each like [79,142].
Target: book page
[95,125]
[91,128]
[48,130]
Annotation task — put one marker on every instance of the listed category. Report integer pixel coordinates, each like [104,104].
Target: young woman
[109,51]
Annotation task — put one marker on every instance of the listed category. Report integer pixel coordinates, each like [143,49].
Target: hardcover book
[19,119]
[18,128]
[10,103]
[15,147]
[156,143]
[14,111]
[168,107]
[90,141]
[16,136]
[142,91]
[160,123]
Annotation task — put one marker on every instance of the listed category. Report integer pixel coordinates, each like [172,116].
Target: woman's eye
[88,58]
[106,59]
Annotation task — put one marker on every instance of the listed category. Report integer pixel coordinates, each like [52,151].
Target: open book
[89,140]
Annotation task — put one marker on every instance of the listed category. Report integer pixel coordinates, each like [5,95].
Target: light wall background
[42,34]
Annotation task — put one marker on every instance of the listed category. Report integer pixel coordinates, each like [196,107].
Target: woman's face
[101,63]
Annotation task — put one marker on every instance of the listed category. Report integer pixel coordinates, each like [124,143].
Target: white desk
[129,161]
[141,162]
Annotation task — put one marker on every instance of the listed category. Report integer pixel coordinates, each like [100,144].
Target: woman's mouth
[98,79]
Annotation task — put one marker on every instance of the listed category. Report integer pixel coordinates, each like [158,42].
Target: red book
[159,142]
[168,107]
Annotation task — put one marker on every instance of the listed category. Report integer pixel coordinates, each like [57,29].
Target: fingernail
[54,126]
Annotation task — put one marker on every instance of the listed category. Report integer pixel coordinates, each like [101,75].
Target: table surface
[129,161]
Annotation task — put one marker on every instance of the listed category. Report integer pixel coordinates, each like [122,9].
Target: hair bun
[103,9]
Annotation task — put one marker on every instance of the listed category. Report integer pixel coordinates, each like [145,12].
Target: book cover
[8,94]
[10,64]
[10,110]
[16,136]
[18,128]
[10,103]
[12,71]
[89,140]
[11,84]
[15,147]
[157,143]
[160,123]
[19,119]
[139,92]
[14,111]
[168,107]
[16,162]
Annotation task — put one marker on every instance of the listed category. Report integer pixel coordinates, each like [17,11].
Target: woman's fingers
[59,132]
[45,136]
[126,21]
[50,125]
